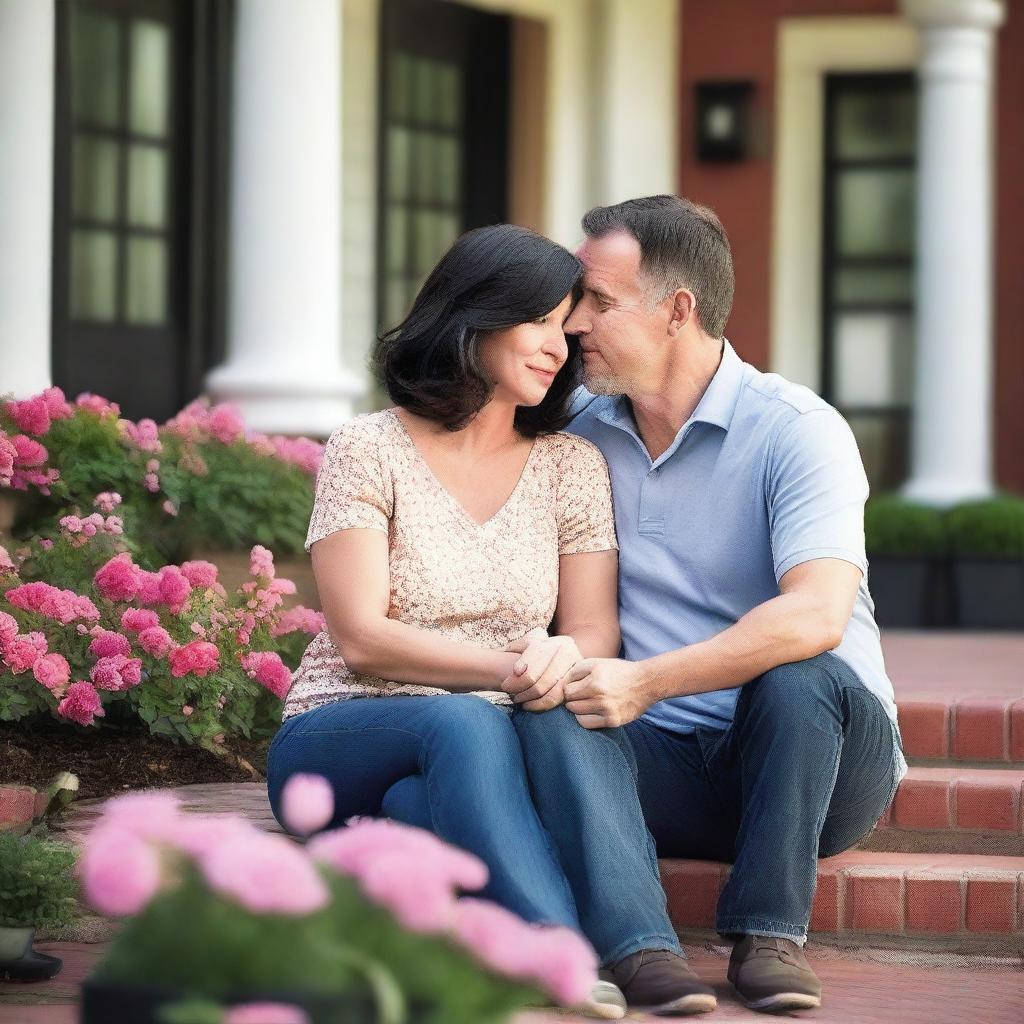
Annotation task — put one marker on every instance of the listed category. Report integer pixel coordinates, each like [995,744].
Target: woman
[447,534]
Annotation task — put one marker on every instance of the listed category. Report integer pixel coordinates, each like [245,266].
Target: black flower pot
[108,1002]
[989,593]
[902,591]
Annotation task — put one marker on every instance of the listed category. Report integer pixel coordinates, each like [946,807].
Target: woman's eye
[541,320]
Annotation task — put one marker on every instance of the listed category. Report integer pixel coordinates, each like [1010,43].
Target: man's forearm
[787,628]
[596,641]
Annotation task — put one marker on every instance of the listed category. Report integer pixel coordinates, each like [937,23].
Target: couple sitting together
[574,629]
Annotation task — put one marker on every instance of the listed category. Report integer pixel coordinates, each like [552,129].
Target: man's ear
[684,307]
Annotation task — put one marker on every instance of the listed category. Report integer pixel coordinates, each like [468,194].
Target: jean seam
[632,946]
[755,925]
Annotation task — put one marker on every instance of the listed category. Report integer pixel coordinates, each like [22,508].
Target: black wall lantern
[723,120]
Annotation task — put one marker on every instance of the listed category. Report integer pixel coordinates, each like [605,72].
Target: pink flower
[225,423]
[63,605]
[8,628]
[418,904]
[118,579]
[70,524]
[53,671]
[6,562]
[8,455]
[301,619]
[267,874]
[152,482]
[261,562]
[31,415]
[168,507]
[46,544]
[300,451]
[199,834]
[150,814]
[116,673]
[107,501]
[96,404]
[56,404]
[142,434]
[186,710]
[199,658]
[155,640]
[21,653]
[307,802]
[107,643]
[28,452]
[199,573]
[134,620]
[265,1013]
[566,964]
[269,671]
[81,704]
[281,586]
[120,871]
[175,588]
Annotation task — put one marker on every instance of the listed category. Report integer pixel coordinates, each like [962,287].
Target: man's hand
[536,680]
[606,692]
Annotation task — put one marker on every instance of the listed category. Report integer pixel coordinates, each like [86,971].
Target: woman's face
[522,361]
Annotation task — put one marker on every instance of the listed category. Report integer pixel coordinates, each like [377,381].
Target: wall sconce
[723,120]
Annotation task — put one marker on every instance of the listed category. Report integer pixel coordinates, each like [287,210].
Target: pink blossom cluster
[63,605]
[97,404]
[265,1013]
[21,463]
[34,415]
[116,673]
[143,435]
[199,421]
[119,579]
[198,658]
[269,671]
[79,531]
[107,501]
[299,619]
[299,451]
[6,562]
[414,874]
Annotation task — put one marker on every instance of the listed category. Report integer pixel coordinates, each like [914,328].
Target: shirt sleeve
[586,521]
[353,489]
[817,488]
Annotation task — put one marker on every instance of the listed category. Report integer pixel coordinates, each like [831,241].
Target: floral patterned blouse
[485,584]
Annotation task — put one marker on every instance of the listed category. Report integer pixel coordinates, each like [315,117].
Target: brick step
[954,810]
[946,728]
[944,902]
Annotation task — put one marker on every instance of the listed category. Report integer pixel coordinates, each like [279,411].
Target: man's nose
[577,323]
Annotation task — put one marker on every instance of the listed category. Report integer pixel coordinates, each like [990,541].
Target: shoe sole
[682,1007]
[784,1001]
[611,1007]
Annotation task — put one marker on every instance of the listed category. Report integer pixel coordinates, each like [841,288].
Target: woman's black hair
[491,278]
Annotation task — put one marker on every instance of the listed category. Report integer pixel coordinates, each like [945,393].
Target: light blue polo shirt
[763,476]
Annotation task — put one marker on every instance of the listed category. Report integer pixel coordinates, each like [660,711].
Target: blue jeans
[550,807]
[805,770]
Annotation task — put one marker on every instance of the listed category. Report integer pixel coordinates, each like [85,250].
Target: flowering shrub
[86,631]
[200,480]
[218,908]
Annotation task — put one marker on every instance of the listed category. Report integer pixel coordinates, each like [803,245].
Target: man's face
[624,340]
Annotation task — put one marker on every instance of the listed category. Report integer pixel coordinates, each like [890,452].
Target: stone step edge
[870,893]
[971,728]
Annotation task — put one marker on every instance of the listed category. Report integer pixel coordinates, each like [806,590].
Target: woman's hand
[536,680]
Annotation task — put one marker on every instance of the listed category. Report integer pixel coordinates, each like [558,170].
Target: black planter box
[116,1003]
[989,593]
[909,593]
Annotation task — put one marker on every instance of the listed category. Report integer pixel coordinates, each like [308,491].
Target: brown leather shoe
[772,974]
[659,981]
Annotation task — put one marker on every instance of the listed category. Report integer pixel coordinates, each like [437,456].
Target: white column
[952,426]
[284,366]
[26,193]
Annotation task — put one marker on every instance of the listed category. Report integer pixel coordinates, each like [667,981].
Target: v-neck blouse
[486,584]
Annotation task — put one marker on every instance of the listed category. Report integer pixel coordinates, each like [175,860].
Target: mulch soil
[113,758]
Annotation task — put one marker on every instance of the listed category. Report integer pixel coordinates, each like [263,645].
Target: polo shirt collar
[717,404]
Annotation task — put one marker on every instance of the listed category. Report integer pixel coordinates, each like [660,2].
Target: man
[751,686]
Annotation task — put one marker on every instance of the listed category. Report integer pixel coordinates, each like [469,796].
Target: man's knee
[797,690]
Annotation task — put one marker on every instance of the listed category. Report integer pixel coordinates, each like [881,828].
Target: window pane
[887,284]
[883,443]
[449,231]
[874,359]
[94,178]
[876,212]
[397,239]
[876,124]
[93,275]
[395,303]
[399,162]
[95,67]
[426,246]
[424,86]
[146,300]
[147,186]
[449,96]
[400,85]
[424,174]
[449,170]
[150,45]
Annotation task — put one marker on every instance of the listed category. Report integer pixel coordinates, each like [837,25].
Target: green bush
[37,882]
[899,528]
[988,529]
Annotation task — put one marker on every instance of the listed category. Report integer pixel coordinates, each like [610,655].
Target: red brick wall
[737,39]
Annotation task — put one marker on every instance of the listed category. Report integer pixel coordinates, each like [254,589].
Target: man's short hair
[682,245]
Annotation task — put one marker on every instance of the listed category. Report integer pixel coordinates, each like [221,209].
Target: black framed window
[139,198]
[868,264]
[443,138]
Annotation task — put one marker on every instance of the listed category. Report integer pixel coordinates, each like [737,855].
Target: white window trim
[808,49]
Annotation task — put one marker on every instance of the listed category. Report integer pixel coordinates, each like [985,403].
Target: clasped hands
[601,692]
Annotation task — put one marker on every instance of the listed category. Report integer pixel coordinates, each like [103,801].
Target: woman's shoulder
[571,449]
[371,430]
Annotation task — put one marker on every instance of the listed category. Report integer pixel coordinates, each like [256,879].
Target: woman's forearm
[400,652]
